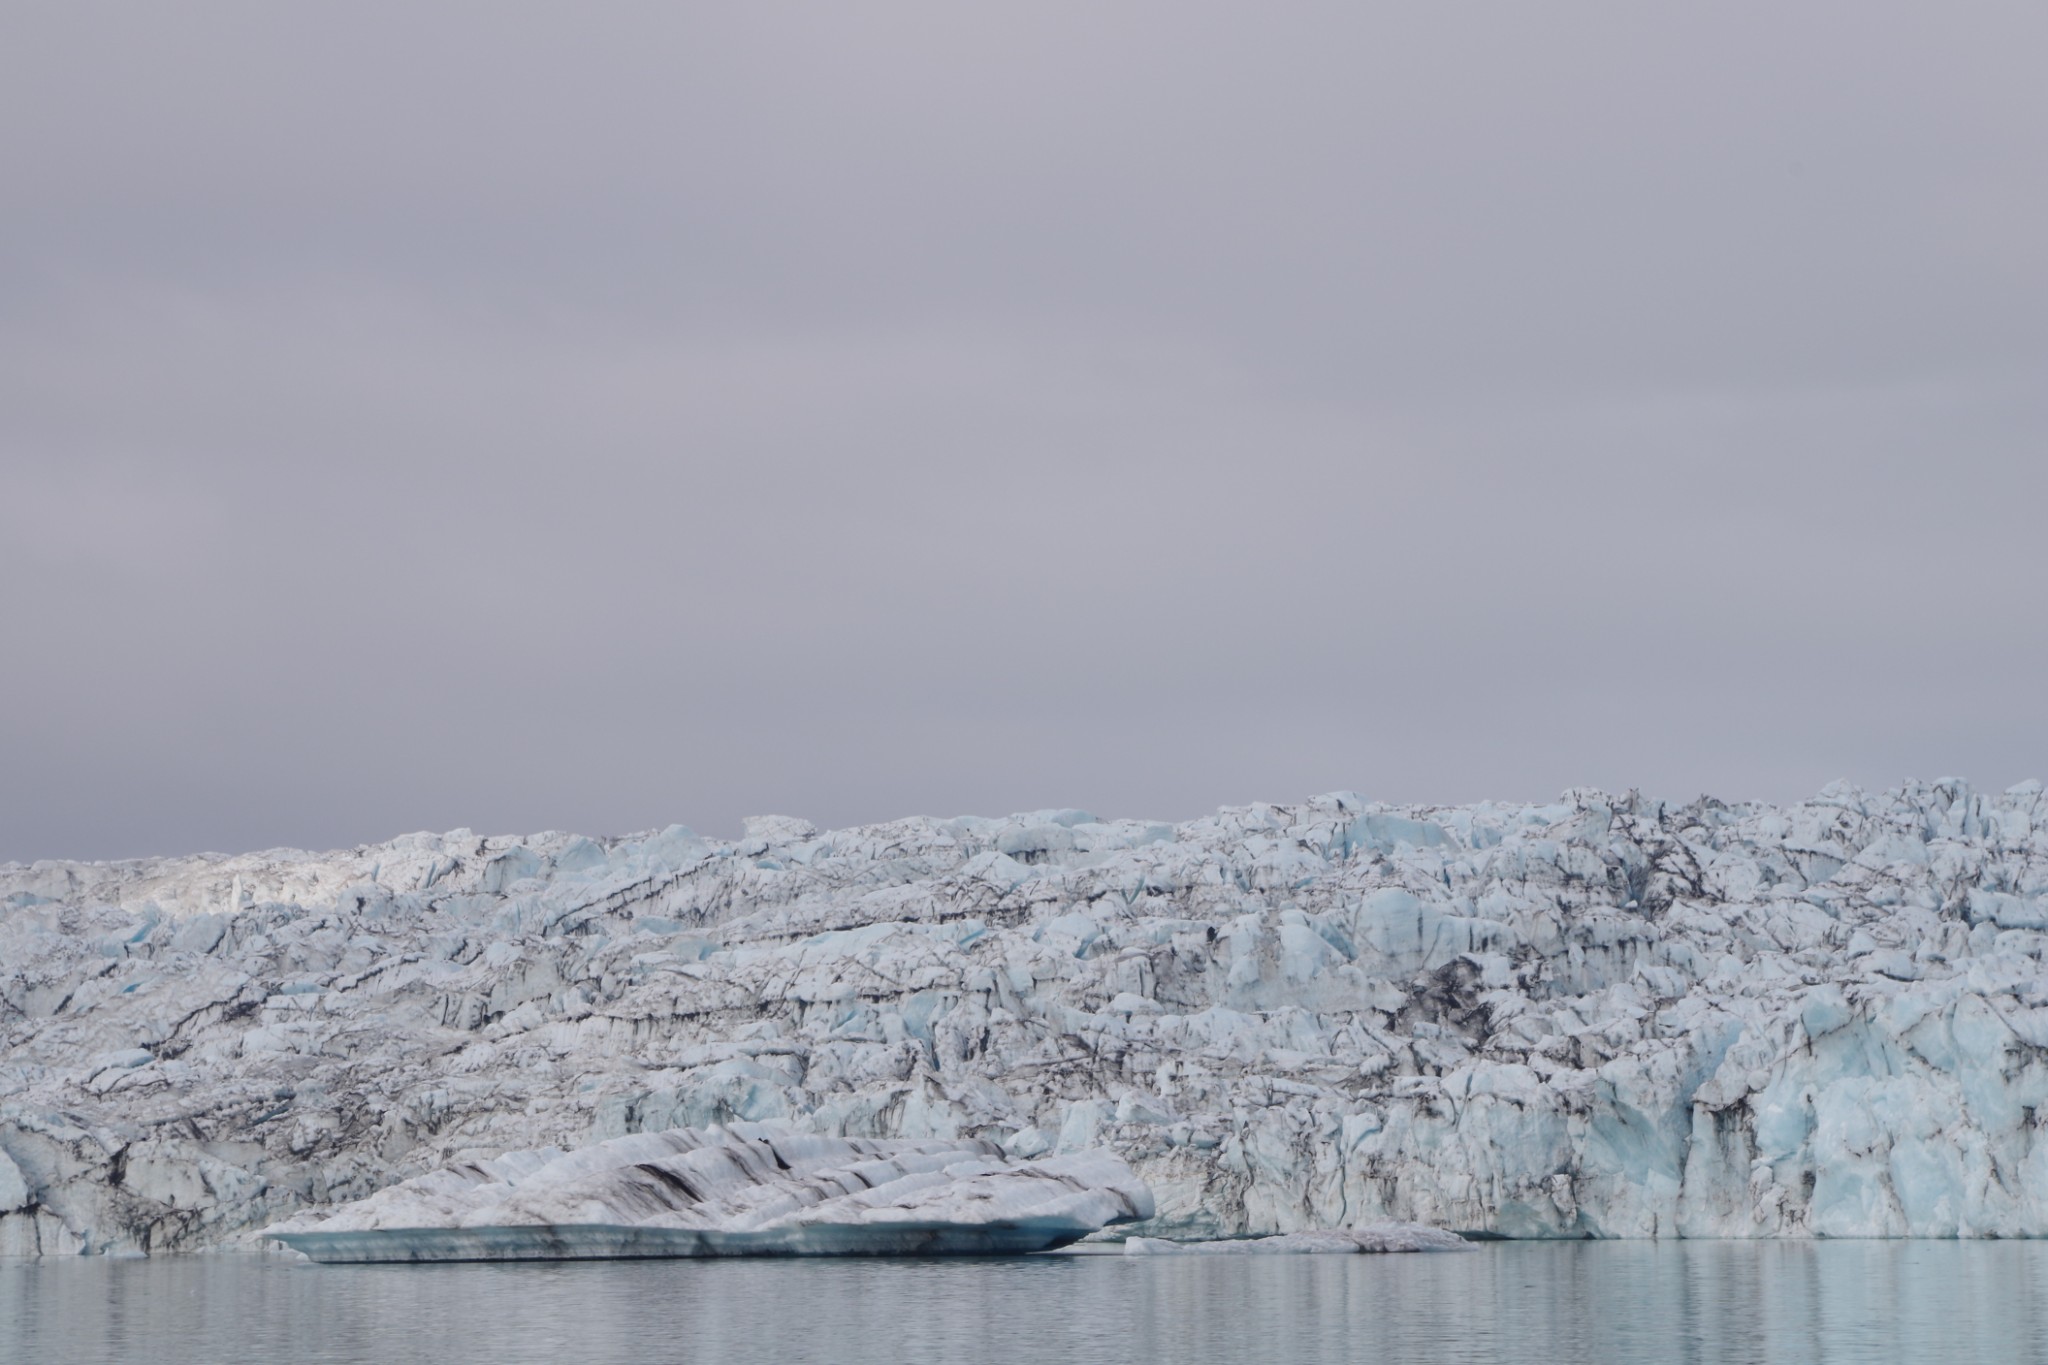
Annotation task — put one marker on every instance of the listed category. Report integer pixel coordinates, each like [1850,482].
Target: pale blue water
[1589,1302]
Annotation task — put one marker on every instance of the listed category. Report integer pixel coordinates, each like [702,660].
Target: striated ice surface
[744,1190]
[1604,1016]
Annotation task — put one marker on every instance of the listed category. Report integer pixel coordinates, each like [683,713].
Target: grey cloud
[492,416]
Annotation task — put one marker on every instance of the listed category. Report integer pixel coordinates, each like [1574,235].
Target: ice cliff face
[1606,1016]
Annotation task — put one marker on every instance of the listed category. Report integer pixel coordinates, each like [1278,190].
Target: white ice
[746,1190]
[1605,1016]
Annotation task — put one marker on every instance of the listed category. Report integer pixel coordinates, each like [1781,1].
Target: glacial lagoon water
[1535,1302]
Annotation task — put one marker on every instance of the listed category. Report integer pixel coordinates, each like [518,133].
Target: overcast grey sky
[597,416]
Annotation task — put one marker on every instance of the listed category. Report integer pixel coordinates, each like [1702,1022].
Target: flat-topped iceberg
[743,1190]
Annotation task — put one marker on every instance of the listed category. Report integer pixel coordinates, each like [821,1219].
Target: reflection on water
[1547,1302]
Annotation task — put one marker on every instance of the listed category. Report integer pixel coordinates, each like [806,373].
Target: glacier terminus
[1605,1016]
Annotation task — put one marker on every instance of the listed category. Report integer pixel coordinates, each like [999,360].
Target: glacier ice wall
[1606,1016]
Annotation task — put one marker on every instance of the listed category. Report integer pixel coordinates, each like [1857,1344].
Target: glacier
[1601,1016]
[742,1190]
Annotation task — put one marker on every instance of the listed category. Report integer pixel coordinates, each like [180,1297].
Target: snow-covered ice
[1602,1016]
[743,1190]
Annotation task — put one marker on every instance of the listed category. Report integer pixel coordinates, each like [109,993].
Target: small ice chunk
[1372,1238]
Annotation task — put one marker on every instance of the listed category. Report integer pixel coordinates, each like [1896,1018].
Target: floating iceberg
[738,1191]
[1376,1238]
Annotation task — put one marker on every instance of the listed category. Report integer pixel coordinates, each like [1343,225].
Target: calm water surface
[1594,1302]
